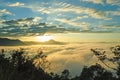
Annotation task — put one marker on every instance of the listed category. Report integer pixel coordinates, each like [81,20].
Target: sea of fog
[72,56]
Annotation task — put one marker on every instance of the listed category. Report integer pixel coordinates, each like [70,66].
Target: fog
[72,56]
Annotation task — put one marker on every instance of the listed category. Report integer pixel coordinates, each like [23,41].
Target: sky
[66,20]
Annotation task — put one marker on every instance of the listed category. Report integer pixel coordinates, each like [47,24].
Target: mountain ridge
[17,42]
[10,42]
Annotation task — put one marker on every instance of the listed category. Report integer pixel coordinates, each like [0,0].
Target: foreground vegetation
[19,67]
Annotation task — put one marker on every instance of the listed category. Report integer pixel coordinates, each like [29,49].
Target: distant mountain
[10,42]
[53,42]
[17,42]
[50,42]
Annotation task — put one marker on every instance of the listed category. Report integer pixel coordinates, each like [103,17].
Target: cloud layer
[73,56]
[39,17]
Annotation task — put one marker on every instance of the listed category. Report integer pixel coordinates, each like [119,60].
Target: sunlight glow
[43,38]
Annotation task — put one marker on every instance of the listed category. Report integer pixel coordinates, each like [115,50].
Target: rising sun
[44,38]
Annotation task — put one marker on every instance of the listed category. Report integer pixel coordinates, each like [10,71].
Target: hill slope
[10,42]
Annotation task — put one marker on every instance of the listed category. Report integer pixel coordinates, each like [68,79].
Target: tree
[17,67]
[40,61]
[65,75]
[113,58]
[96,72]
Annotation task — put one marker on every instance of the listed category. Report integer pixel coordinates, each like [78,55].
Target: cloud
[34,27]
[37,19]
[60,8]
[83,25]
[17,4]
[114,27]
[77,10]
[73,56]
[111,27]
[81,17]
[24,21]
[44,10]
[4,11]
[113,13]
[113,2]
[30,27]
[94,1]
[71,17]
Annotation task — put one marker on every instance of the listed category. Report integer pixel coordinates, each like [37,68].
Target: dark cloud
[27,27]
[33,27]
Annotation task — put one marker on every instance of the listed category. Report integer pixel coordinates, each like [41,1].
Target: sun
[44,38]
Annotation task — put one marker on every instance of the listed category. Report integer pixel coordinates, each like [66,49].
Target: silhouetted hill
[10,42]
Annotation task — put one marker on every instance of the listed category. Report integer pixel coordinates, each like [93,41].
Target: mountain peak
[52,41]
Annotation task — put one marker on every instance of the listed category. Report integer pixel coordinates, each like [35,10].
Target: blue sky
[37,17]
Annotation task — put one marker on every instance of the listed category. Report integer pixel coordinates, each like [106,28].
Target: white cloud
[64,8]
[36,20]
[83,25]
[94,1]
[81,17]
[93,13]
[4,11]
[44,10]
[16,4]
[113,2]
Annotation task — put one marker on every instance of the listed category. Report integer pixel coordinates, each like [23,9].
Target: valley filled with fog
[72,56]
